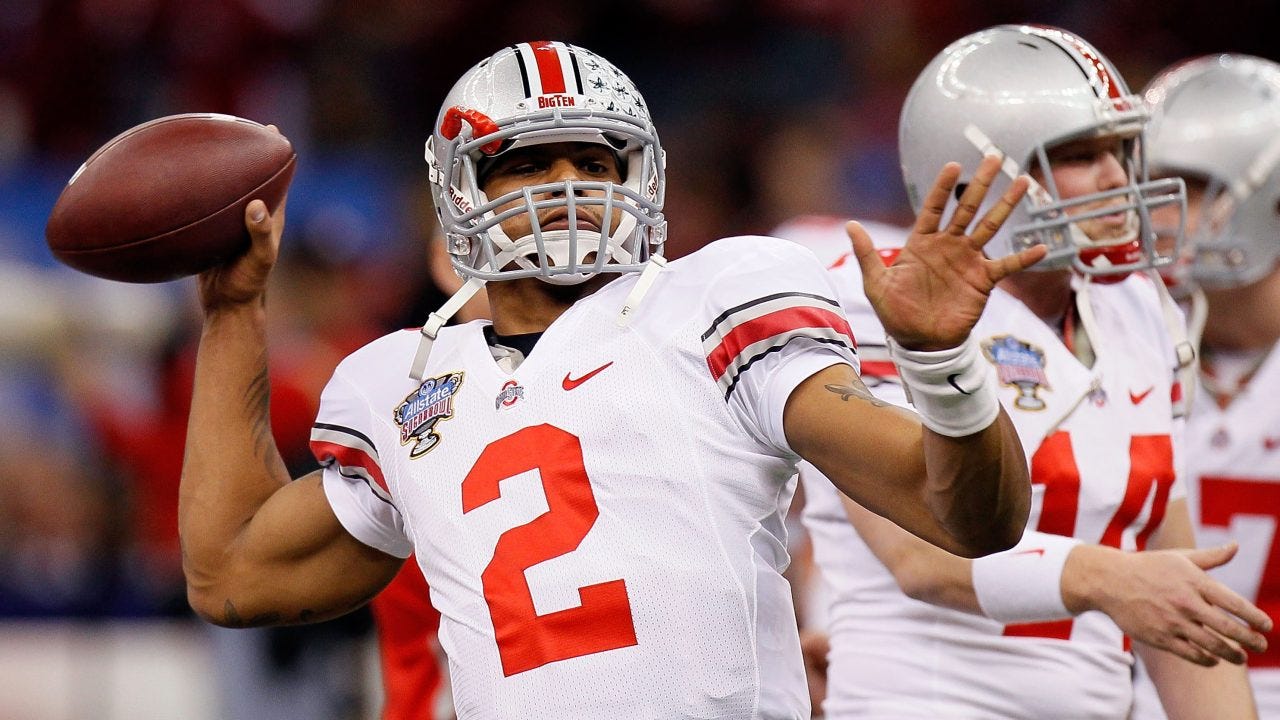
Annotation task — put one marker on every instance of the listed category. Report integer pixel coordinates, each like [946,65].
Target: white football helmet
[1019,91]
[534,93]
[1217,119]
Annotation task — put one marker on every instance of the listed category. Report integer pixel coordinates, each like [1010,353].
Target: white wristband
[1024,584]
[952,390]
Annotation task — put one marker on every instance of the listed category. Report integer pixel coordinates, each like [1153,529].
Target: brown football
[166,199]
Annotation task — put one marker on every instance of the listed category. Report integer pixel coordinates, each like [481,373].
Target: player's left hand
[1164,598]
[934,293]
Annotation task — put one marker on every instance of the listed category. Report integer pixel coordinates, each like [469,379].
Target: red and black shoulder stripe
[352,453]
[743,334]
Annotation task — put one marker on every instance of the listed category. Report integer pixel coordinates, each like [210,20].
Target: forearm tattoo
[848,391]
[257,407]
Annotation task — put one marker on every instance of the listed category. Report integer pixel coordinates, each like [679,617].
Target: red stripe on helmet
[1109,86]
[1105,84]
[550,71]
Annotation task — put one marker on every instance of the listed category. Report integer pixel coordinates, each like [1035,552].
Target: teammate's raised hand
[931,296]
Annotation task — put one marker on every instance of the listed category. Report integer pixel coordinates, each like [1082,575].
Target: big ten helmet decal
[1019,91]
[1217,119]
[535,93]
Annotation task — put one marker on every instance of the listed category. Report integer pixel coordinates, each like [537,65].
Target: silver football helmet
[1019,91]
[546,92]
[1217,119]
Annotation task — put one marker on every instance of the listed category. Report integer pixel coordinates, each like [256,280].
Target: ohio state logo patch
[510,393]
[423,409]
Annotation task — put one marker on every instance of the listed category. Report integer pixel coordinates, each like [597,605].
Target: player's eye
[528,167]
[1079,157]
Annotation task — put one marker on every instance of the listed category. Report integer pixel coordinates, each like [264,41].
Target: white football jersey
[602,529]
[1233,492]
[1103,470]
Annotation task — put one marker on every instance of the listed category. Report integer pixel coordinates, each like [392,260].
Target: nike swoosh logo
[570,383]
[1036,551]
[1137,398]
[951,380]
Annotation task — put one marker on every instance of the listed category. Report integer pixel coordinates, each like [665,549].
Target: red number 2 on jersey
[1054,466]
[1220,499]
[527,640]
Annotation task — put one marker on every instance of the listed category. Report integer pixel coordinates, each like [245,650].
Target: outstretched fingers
[869,260]
[974,193]
[991,223]
[1003,267]
[935,203]
[1216,645]
[1248,630]
[1188,651]
[970,201]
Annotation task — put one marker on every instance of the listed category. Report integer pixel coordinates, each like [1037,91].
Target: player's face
[550,163]
[1087,166]
[1164,220]
[1165,217]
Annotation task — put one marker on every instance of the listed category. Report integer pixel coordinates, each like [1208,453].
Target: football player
[1086,350]
[1216,123]
[594,484]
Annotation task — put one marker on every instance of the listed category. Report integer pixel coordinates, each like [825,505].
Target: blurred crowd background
[768,109]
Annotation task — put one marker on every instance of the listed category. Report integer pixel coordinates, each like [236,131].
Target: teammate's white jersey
[601,529]
[1103,470]
[1233,492]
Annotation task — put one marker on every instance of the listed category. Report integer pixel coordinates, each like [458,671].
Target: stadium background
[767,109]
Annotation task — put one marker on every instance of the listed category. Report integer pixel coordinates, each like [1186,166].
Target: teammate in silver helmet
[1215,122]
[1089,354]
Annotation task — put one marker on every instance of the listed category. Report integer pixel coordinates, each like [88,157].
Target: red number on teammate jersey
[1054,466]
[527,640]
[1222,498]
